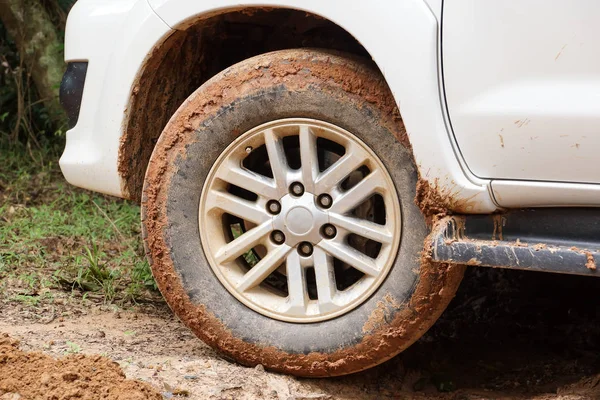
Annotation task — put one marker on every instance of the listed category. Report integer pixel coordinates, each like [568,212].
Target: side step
[561,240]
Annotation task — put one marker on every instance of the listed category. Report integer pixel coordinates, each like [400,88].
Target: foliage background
[24,120]
[56,241]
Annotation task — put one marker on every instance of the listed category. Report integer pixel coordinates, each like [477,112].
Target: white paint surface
[522,82]
[540,70]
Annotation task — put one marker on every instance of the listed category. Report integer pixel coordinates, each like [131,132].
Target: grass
[73,348]
[56,236]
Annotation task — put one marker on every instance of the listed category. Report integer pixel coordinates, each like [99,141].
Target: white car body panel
[403,37]
[115,59]
[522,82]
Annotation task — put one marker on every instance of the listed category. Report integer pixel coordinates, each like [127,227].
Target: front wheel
[279,219]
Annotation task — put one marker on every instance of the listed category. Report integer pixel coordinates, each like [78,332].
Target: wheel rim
[299,220]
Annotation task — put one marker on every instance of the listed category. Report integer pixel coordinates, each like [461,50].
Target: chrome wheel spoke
[325,279]
[244,243]
[362,227]
[237,206]
[264,268]
[277,159]
[296,281]
[251,181]
[308,157]
[351,257]
[364,189]
[336,173]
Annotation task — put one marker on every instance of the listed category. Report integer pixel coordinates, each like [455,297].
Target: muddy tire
[188,218]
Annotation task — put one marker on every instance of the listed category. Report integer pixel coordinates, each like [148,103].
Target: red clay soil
[26,375]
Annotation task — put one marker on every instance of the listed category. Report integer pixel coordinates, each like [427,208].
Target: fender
[402,37]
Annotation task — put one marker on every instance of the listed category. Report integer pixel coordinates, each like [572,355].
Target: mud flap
[552,240]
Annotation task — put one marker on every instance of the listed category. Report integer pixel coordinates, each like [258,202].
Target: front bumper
[114,39]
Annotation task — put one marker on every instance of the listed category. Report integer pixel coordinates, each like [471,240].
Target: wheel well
[199,50]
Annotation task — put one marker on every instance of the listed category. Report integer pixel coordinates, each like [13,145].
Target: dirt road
[481,349]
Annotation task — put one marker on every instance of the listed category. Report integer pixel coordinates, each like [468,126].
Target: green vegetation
[31,66]
[55,236]
[73,348]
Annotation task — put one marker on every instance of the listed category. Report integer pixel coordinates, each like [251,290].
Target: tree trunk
[28,22]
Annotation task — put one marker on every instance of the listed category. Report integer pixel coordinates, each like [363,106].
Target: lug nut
[329,231]
[273,207]
[305,249]
[325,200]
[277,237]
[297,189]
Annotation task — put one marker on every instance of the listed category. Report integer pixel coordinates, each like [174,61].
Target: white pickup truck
[315,175]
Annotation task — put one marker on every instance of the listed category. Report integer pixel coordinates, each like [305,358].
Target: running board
[565,241]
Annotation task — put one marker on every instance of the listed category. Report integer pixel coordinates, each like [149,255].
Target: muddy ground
[506,335]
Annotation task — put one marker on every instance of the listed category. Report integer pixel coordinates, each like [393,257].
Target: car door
[522,85]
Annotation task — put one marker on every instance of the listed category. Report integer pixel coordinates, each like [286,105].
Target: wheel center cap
[299,220]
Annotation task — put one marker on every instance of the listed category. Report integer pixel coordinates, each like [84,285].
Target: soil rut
[150,345]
